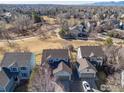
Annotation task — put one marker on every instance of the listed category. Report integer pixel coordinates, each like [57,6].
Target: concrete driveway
[91,82]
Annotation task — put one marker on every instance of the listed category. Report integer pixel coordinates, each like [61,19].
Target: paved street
[76,84]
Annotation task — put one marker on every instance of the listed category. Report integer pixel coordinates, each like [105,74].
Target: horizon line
[58,2]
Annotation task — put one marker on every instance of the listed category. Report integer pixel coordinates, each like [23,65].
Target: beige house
[86,69]
[62,72]
[94,54]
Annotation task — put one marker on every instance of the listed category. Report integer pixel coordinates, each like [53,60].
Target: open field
[36,45]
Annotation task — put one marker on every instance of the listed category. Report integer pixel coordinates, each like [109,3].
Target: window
[14,69]
[24,75]
[23,68]
[99,58]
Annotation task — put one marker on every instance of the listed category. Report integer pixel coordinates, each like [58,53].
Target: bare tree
[41,80]
[112,54]
[4,33]
[22,23]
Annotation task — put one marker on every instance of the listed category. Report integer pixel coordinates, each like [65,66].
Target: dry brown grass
[36,45]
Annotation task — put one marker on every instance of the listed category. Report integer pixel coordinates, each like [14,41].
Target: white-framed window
[24,75]
[99,58]
[14,69]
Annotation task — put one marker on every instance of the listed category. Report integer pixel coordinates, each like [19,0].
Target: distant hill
[119,3]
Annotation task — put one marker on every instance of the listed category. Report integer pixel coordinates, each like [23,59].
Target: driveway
[75,84]
[91,81]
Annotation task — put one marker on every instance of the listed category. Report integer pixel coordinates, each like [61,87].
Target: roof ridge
[62,67]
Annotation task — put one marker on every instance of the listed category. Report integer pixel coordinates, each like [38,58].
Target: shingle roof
[3,79]
[83,64]
[54,53]
[19,59]
[87,51]
[62,67]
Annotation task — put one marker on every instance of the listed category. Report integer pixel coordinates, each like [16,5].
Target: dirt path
[36,45]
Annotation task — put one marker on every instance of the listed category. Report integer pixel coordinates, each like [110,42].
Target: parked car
[86,86]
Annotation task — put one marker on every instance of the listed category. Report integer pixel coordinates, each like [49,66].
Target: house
[18,65]
[63,75]
[6,83]
[7,14]
[62,72]
[55,56]
[86,69]
[79,32]
[121,25]
[59,62]
[94,54]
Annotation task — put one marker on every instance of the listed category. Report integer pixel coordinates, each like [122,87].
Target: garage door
[87,75]
[63,77]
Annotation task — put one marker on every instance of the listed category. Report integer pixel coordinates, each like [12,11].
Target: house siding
[2,89]
[26,71]
[79,54]
[32,62]
[28,68]
[87,73]
[63,75]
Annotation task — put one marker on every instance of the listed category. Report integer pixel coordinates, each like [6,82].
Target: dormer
[13,67]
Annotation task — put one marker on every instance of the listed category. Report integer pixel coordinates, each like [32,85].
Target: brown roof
[62,67]
[87,51]
[54,53]
[3,79]
[18,59]
[83,63]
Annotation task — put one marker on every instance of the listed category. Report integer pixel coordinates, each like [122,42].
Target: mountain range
[112,3]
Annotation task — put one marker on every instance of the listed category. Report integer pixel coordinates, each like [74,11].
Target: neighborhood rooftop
[54,53]
[87,51]
[62,67]
[83,64]
[18,59]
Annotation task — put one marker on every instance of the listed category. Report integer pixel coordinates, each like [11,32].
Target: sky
[52,1]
